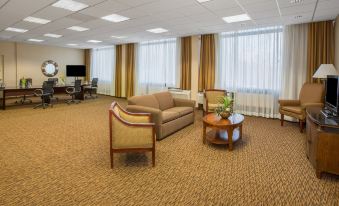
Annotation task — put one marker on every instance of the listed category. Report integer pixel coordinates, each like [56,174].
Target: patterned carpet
[60,156]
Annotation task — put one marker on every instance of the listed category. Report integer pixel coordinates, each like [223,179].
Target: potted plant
[225,108]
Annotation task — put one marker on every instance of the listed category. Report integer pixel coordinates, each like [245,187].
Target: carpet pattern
[60,156]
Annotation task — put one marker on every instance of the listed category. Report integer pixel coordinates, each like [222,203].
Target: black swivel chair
[55,80]
[93,89]
[45,94]
[73,92]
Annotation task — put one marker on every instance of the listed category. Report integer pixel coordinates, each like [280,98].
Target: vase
[225,114]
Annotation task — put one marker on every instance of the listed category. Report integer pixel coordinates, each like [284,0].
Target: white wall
[25,60]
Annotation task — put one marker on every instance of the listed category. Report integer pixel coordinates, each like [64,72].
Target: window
[156,66]
[103,67]
[250,64]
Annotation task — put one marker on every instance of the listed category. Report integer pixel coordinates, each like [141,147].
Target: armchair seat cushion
[212,107]
[175,112]
[293,109]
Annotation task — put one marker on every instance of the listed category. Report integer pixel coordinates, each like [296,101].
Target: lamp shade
[324,70]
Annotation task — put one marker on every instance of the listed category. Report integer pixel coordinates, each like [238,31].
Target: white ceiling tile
[105,8]
[52,13]
[220,4]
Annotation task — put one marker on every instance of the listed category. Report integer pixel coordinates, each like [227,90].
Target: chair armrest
[289,102]
[38,92]
[155,113]
[184,102]
[135,117]
[70,90]
[305,105]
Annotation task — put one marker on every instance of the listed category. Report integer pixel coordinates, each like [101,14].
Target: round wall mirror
[49,68]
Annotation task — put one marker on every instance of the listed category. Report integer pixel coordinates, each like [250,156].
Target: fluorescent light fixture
[78,28]
[119,37]
[53,35]
[157,30]
[202,1]
[36,20]
[70,5]
[72,44]
[236,18]
[35,40]
[16,30]
[296,1]
[115,18]
[94,41]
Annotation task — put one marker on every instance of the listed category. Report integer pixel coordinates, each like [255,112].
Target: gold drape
[88,64]
[130,68]
[186,63]
[320,46]
[118,70]
[207,62]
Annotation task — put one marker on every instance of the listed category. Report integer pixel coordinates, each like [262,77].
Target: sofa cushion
[294,109]
[145,100]
[175,112]
[165,100]
[168,116]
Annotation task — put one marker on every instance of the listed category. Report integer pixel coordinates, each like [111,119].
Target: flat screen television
[332,94]
[76,70]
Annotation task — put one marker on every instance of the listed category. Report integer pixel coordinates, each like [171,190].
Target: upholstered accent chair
[169,114]
[310,95]
[130,132]
[212,99]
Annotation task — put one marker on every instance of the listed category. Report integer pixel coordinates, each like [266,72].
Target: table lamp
[324,70]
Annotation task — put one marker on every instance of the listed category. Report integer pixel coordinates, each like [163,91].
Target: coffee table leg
[240,131]
[230,138]
[204,134]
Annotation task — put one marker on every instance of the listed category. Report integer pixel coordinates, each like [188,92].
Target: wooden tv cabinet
[322,142]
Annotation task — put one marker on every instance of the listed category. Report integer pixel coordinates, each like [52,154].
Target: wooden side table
[224,131]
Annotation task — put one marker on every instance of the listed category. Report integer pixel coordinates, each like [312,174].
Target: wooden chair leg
[153,157]
[282,120]
[301,125]
[111,154]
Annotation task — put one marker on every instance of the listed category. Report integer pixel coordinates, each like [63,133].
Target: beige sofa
[169,114]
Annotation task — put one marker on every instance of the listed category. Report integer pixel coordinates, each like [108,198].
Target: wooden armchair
[310,95]
[130,132]
[211,101]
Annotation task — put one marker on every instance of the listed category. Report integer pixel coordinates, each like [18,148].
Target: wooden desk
[322,142]
[16,91]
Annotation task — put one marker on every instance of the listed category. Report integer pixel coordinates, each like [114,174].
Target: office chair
[93,89]
[73,91]
[24,99]
[55,82]
[45,94]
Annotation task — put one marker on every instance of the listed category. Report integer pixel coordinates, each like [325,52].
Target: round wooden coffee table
[224,131]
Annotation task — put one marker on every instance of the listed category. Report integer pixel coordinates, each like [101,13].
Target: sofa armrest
[289,102]
[155,113]
[184,103]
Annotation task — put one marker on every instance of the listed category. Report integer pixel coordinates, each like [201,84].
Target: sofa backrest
[165,100]
[145,100]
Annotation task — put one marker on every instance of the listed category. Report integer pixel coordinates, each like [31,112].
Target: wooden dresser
[322,142]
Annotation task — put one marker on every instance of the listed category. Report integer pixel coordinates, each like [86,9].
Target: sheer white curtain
[294,63]
[103,67]
[250,64]
[156,66]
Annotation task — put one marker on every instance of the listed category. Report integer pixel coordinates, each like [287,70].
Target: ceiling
[179,17]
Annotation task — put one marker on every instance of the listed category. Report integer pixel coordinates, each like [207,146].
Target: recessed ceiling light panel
[72,44]
[94,41]
[16,29]
[202,1]
[36,20]
[35,40]
[236,18]
[78,28]
[157,30]
[296,1]
[115,18]
[70,5]
[119,37]
[53,35]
